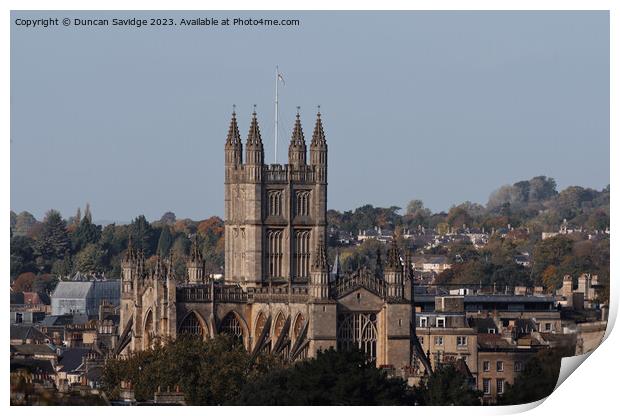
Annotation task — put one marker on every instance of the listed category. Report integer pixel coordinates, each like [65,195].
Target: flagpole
[276,126]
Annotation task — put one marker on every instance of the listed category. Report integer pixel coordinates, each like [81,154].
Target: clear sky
[438,106]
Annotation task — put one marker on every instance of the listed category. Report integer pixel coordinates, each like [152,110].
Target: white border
[592,388]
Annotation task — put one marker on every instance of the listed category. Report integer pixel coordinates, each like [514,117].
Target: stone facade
[276,295]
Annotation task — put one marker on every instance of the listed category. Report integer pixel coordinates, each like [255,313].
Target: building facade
[276,295]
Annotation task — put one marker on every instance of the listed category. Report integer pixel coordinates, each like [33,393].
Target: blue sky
[438,106]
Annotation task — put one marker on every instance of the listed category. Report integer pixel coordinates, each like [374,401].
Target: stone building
[276,295]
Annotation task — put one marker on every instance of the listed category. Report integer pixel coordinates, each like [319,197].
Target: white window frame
[438,340]
[461,341]
[499,366]
[441,319]
[491,330]
[499,385]
[486,366]
[423,321]
[486,386]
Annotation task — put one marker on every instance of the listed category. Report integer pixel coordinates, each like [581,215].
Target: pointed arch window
[302,254]
[260,325]
[274,253]
[302,203]
[232,326]
[149,333]
[358,331]
[191,325]
[274,199]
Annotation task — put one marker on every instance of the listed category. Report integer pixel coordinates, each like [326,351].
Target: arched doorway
[358,330]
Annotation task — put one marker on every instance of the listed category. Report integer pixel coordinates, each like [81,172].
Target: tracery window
[277,328]
[274,199]
[149,334]
[191,325]
[232,326]
[358,331]
[298,325]
[274,252]
[302,205]
[260,325]
[302,253]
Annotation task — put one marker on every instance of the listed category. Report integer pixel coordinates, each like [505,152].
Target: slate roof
[34,365]
[71,358]
[25,332]
[72,290]
[32,349]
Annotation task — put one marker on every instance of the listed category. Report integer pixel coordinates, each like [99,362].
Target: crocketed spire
[297,139]
[130,254]
[320,258]
[318,136]
[195,254]
[393,257]
[297,147]
[254,138]
[233,137]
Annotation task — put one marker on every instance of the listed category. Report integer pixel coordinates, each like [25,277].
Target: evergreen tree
[165,241]
[86,233]
[53,241]
[143,235]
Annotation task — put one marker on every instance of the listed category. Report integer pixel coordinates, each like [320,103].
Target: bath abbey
[276,295]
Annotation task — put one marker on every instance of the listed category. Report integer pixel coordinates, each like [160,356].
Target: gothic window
[302,253]
[274,252]
[260,325]
[231,326]
[277,328]
[274,199]
[358,331]
[149,334]
[298,325]
[302,203]
[191,325]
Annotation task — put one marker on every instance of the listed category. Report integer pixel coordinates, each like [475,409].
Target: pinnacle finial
[234,110]
[254,111]
[298,108]
[318,110]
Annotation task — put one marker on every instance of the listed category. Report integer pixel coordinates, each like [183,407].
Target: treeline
[55,247]
[221,372]
[534,204]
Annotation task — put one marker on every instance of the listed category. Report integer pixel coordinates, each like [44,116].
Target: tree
[165,241]
[22,255]
[459,217]
[90,259]
[24,223]
[86,233]
[416,207]
[53,241]
[169,218]
[446,386]
[332,378]
[143,235]
[208,373]
[24,282]
[538,378]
